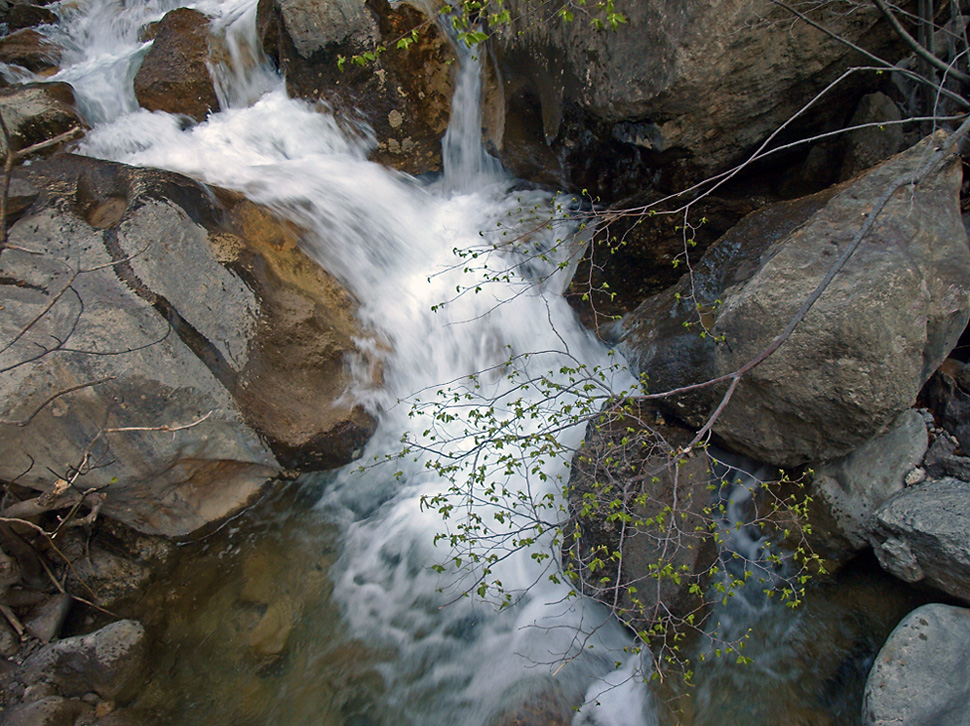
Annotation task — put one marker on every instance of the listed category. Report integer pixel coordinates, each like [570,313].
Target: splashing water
[392,240]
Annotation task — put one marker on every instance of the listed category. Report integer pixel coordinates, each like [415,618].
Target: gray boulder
[865,349]
[111,662]
[852,487]
[183,347]
[921,677]
[922,534]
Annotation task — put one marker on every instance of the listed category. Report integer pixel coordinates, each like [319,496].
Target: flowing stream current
[392,240]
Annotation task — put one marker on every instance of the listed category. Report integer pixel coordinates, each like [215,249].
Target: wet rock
[201,331]
[679,90]
[922,534]
[174,76]
[49,711]
[661,516]
[269,636]
[921,677]
[46,620]
[852,487]
[29,49]
[403,95]
[866,147]
[111,662]
[862,353]
[25,15]
[37,112]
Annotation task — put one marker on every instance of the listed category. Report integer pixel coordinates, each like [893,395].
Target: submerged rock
[921,677]
[174,76]
[48,711]
[29,49]
[193,347]
[862,353]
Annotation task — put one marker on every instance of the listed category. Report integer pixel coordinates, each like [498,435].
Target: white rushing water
[392,240]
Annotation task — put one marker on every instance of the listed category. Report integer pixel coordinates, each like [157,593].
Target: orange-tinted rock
[174,77]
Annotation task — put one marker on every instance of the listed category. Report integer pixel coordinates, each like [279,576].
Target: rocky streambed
[212,289]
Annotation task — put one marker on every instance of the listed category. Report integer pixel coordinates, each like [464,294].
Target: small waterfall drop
[466,164]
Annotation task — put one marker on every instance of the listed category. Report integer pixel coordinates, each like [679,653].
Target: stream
[342,563]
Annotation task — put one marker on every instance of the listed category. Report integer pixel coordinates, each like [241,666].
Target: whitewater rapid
[434,318]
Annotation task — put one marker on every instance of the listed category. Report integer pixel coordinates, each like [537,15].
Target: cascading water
[393,240]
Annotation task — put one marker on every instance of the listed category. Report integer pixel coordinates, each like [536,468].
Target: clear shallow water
[363,606]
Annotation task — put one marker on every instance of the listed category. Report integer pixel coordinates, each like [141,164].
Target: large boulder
[861,354]
[403,95]
[182,347]
[174,75]
[680,90]
[922,533]
[38,112]
[921,677]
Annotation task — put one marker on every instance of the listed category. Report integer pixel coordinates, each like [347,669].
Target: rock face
[183,347]
[174,76]
[680,89]
[404,95]
[860,356]
[852,487]
[626,494]
[921,677]
[36,112]
[922,534]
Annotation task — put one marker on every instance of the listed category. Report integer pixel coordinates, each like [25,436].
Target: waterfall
[392,240]
[465,162]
